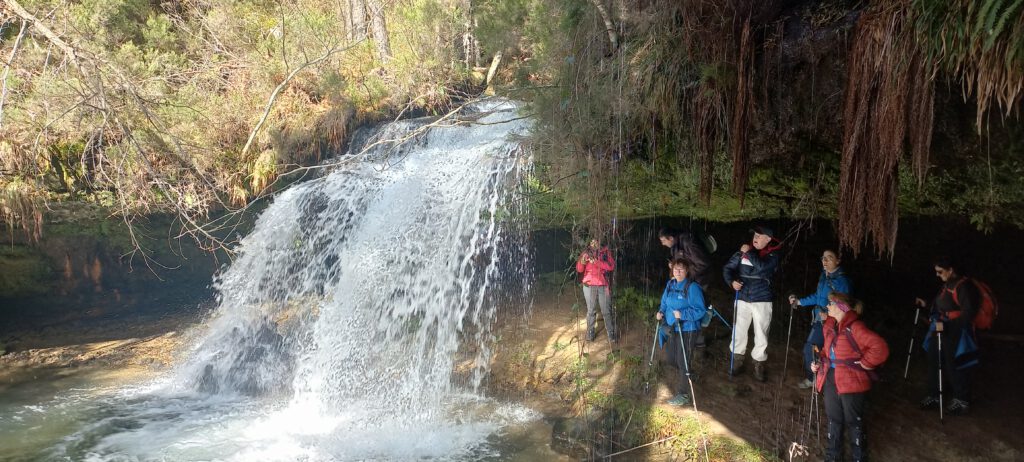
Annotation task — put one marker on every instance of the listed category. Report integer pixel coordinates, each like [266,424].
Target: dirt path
[536,360]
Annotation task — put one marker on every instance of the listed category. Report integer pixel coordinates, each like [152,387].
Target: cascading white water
[354,290]
[351,310]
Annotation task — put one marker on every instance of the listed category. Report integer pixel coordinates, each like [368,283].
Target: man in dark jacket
[683,245]
[749,273]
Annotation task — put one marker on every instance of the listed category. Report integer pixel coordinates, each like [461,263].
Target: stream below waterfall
[99,414]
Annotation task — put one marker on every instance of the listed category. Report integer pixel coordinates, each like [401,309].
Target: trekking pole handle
[816,361]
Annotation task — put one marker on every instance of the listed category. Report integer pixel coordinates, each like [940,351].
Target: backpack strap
[848,331]
[951,315]
[954,289]
[853,343]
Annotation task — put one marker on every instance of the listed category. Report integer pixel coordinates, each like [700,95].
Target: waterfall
[355,321]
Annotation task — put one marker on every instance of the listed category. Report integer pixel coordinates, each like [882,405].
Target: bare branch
[55,39]
[284,84]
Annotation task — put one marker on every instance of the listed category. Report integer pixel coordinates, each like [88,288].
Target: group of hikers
[840,354]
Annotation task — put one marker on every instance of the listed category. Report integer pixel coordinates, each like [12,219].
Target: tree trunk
[357,19]
[490,72]
[8,66]
[470,45]
[380,30]
[608,24]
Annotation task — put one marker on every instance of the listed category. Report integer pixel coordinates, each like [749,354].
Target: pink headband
[842,306]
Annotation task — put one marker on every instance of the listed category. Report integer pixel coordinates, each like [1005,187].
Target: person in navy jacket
[681,310]
[749,272]
[832,279]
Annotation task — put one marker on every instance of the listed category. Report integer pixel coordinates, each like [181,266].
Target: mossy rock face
[26,272]
[85,265]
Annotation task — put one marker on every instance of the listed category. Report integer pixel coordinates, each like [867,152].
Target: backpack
[988,306]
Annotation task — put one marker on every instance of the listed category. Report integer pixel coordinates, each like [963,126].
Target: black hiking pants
[845,412]
[959,380]
[675,356]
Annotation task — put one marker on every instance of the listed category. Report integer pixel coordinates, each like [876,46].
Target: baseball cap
[762,229]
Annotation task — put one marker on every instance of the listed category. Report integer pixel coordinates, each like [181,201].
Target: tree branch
[284,84]
[50,35]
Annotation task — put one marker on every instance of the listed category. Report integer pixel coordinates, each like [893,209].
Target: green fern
[987,15]
[995,33]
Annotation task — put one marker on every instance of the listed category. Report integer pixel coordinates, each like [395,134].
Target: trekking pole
[789,332]
[650,362]
[938,333]
[693,394]
[719,316]
[817,418]
[910,349]
[814,397]
[732,348]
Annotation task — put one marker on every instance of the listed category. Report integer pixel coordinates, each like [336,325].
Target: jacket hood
[773,245]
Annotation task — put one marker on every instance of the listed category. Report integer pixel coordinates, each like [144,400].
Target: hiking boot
[958,407]
[929,402]
[759,371]
[805,384]
[591,336]
[681,399]
[737,365]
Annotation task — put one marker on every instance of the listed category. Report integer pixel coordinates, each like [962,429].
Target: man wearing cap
[749,273]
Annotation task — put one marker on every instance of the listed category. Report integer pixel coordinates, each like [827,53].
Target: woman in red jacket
[593,263]
[851,352]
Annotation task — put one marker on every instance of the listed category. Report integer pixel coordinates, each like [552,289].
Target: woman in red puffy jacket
[594,262]
[851,353]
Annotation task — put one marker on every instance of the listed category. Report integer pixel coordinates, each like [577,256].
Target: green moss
[648,188]
[27,272]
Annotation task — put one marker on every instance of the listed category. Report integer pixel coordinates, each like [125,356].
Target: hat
[762,229]
[842,306]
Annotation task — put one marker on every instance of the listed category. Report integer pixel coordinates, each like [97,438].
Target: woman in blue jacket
[682,309]
[832,280]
